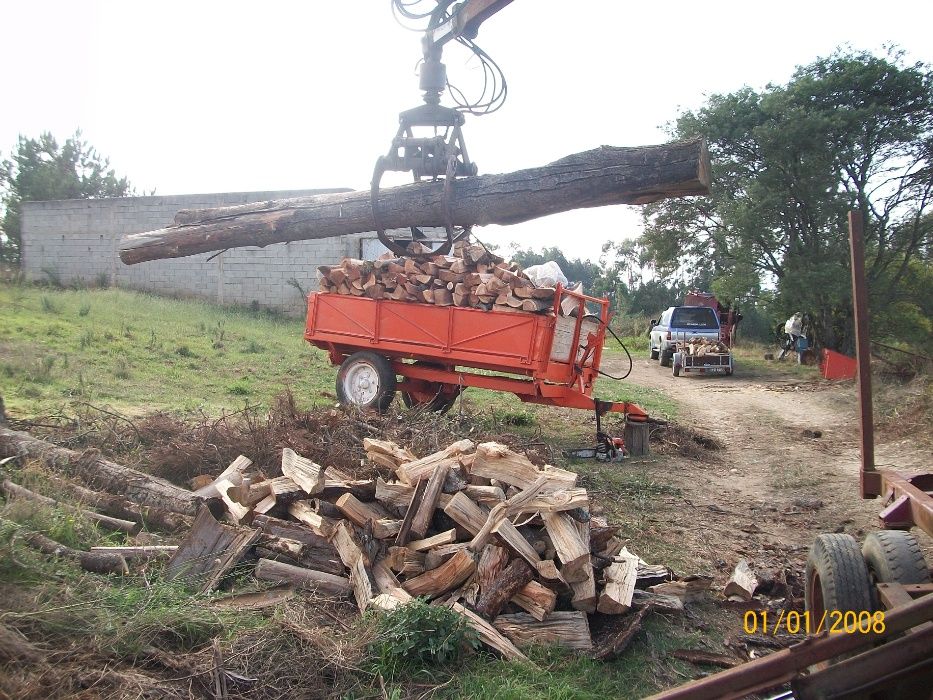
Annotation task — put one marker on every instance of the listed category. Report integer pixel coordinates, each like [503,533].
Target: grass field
[140,353]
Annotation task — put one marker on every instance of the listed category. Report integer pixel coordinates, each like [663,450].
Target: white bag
[547,274]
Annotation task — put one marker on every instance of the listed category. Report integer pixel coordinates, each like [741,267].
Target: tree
[850,131]
[40,169]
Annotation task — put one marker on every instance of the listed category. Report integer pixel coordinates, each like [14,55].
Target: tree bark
[513,578]
[100,473]
[600,177]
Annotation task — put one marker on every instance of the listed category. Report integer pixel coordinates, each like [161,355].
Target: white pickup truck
[678,323]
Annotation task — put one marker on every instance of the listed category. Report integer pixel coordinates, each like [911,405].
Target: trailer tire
[837,577]
[678,364]
[366,381]
[894,556]
[442,396]
[666,358]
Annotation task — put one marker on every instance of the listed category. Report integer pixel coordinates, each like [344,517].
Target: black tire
[837,577]
[666,358]
[677,366]
[442,397]
[653,353]
[894,556]
[366,381]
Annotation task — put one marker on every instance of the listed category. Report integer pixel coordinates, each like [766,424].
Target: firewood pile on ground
[470,277]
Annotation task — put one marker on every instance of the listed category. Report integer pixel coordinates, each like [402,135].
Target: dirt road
[787,470]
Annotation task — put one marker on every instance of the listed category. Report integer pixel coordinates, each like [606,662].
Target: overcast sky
[204,96]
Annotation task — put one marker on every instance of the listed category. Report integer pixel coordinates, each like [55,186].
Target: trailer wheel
[678,364]
[894,556]
[367,381]
[837,577]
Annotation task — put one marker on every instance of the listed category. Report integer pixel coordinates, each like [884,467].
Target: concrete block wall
[77,240]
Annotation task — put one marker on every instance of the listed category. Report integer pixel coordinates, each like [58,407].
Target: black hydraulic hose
[619,341]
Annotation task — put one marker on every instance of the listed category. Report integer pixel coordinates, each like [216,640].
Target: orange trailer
[550,359]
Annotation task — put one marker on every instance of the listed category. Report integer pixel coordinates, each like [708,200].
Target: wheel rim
[361,383]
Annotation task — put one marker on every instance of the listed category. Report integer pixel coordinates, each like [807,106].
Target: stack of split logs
[479,528]
[704,346]
[471,277]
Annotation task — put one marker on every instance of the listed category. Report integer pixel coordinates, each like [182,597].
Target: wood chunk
[394,494]
[363,489]
[492,561]
[438,555]
[687,589]
[444,578]
[743,582]
[472,517]
[387,583]
[584,592]
[308,475]
[558,501]
[388,448]
[442,538]
[210,551]
[406,562]
[360,513]
[616,597]
[485,495]
[572,551]
[269,570]
[494,596]
[616,643]
[410,472]
[353,556]
[666,603]
[237,513]
[489,635]
[566,629]
[321,526]
[425,509]
[233,473]
[536,599]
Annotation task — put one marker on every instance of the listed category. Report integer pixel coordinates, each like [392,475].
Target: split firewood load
[704,346]
[479,528]
[471,276]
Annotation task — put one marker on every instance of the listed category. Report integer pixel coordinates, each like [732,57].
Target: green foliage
[849,131]
[43,169]
[416,637]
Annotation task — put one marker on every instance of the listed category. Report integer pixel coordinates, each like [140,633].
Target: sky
[207,96]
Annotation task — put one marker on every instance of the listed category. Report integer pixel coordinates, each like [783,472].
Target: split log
[489,635]
[410,472]
[292,531]
[321,526]
[616,597]
[496,461]
[232,474]
[12,490]
[536,599]
[616,642]
[269,570]
[353,556]
[97,562]
[444,578]
[472,518]
[425,512]
[492,561]
[603,176]
[210,551]
[360,513]
[743,582]
[687,589]
[388,448]
[573,553]
[406,562]
[404,531]
[394,494]
[584,592]
[659,601]
[99,473]
[566,629]
[308,475]
[493,597]
[438,555]
[441,538]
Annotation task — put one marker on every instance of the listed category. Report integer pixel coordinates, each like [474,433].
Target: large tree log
[602,176]
[100,473]
[98,562]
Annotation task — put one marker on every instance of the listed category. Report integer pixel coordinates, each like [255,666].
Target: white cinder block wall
[78,239]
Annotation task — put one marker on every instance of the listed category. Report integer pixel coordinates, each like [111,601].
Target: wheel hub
[361,383]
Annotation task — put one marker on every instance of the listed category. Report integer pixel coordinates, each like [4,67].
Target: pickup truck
[680,323]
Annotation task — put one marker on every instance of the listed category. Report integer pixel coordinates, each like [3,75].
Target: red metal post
[862,354]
